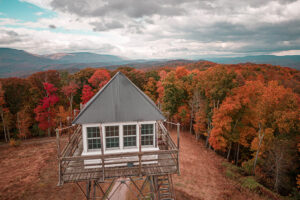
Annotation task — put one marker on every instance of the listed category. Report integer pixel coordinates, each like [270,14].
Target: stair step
[165,184]
[167,199]
[165,194]
[164,189]
[162,179]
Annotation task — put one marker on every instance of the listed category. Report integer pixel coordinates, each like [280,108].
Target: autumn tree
[45,111]
[69,91]
[62,116]
[23,123]
[87,94]
[173,94]
[151,89]
[99,78]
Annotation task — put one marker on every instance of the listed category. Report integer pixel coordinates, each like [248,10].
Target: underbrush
[14,143]
[240,176]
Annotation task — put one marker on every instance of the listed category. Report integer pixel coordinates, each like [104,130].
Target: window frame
[91,138]
[121,147]
[106,137]
[130,136]
[153,135]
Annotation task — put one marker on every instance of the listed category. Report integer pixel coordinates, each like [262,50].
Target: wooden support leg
[88,190]
[94,190]
[151,183]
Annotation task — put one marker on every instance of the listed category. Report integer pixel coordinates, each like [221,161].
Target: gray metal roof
[119,101]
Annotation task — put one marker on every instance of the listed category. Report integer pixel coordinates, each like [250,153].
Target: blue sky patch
[23,11]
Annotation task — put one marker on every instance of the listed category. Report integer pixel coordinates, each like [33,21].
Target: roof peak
[119,100]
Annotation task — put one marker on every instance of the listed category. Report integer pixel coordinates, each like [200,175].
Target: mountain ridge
[14,62]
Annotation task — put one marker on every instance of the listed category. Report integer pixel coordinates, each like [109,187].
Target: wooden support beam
[88,189]
[81,189]
[138,189]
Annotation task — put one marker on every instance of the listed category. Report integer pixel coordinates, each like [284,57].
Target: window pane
[112,142]
[93,132]
[129,130]
[147,140]
[94,143]
[147,129]
[130,141]
[111,131]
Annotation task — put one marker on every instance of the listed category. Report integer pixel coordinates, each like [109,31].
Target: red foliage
[87,94]
[99,78]
[45,111]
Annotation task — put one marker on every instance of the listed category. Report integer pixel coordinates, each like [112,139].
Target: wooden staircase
[165,187]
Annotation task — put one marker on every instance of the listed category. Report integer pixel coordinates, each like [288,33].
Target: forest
[248,113]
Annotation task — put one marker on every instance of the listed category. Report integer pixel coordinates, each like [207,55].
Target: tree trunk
[229,150]
[4,130]
[8,133]
[71,106]
[49,133]
[261,135]
[18,122]
[277,171]
[208,134]
[237,154]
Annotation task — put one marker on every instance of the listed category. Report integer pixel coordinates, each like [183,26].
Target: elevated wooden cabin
[119,133]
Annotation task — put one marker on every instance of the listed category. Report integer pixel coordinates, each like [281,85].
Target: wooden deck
[72,167]
[163,167]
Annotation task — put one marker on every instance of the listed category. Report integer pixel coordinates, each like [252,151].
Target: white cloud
[161,29]
[39,13]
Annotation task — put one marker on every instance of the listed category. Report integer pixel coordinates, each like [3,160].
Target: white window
[93,138]
[147,136]
[129,135]
[112,137]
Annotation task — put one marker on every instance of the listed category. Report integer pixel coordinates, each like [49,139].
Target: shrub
[250,183]
[14,143]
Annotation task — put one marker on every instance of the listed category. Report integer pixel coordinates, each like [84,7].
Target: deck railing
[72,165]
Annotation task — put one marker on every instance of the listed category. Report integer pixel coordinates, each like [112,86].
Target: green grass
[240,176]
[250,183]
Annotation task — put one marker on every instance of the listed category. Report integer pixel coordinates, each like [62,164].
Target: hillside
[202,174]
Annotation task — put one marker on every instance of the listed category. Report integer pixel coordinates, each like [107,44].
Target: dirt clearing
[30,172]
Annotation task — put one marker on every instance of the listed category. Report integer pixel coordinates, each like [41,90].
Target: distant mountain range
[285,61]
[15,62]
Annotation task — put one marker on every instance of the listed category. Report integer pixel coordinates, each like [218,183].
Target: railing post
[102,152]
[178,146]
[140,150]
[58,157]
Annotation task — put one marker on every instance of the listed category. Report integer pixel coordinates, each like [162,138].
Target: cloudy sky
[152,29]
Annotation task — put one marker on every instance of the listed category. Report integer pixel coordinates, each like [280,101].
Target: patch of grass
[237,174]
[230,174]
[250,183]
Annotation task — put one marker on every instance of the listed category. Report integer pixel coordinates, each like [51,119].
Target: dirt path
[202,173]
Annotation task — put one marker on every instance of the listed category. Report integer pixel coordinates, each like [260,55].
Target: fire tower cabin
[119,133]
